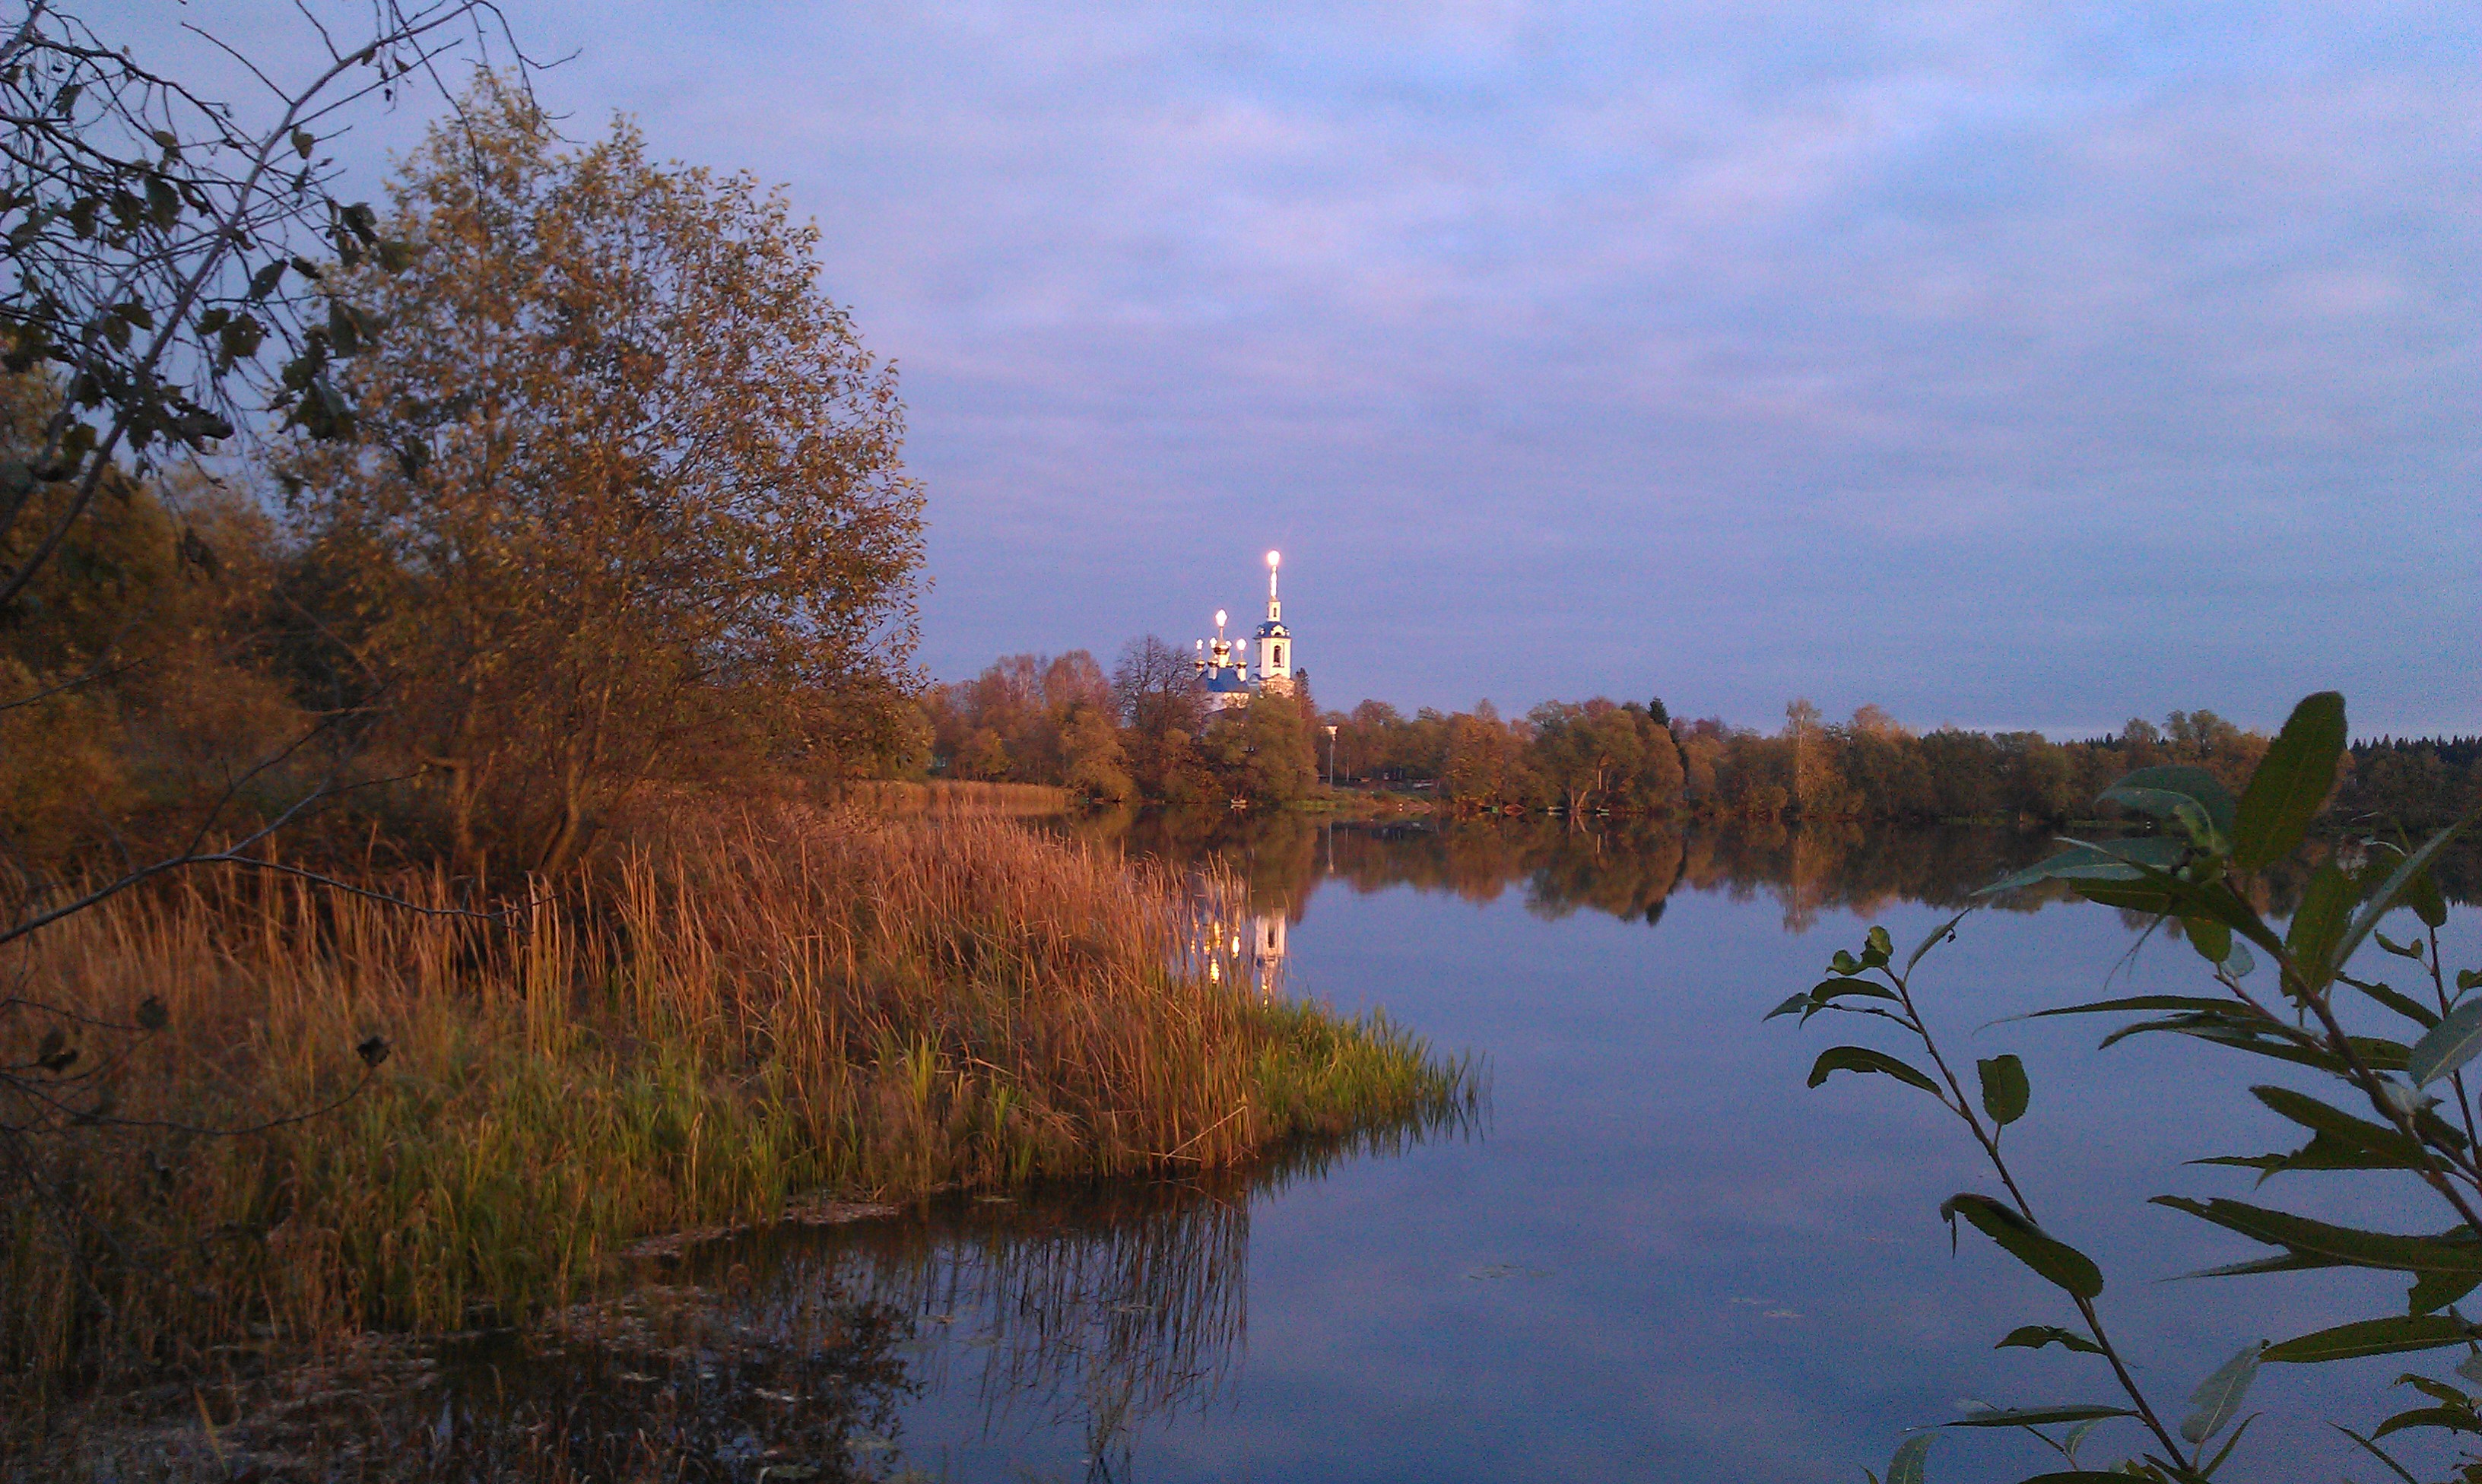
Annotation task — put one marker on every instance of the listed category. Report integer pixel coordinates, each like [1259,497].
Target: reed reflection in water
[1086,1313]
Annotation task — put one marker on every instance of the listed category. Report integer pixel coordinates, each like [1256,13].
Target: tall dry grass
[961,795]
[726,1019]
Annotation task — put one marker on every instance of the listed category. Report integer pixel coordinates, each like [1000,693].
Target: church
[1230,673]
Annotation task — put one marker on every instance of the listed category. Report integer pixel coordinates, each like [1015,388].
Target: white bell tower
[1275,642]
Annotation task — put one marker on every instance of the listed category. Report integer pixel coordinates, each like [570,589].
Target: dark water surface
[1658,1254]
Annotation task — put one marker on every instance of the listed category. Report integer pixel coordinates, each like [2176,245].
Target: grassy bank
[741,1014]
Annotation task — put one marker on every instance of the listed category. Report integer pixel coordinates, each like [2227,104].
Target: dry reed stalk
[731,1014]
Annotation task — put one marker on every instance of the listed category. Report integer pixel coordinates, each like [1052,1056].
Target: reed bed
[725,1020]
[962,796]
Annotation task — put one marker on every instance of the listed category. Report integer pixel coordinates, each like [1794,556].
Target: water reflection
[1666,1261]
[1626,869]
[1623,869]
[1081,1318]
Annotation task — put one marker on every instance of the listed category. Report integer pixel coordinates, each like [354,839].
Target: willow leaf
[2393,1335]
[2292,781]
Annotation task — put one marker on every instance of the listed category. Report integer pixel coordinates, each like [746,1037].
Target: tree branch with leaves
[2197,872]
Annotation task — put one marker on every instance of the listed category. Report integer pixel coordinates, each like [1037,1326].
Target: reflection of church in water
[1231,673]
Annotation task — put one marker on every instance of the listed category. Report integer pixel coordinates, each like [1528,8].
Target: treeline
[1606,757]
[1142,733]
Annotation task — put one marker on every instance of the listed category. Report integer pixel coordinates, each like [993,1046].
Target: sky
[2003,365]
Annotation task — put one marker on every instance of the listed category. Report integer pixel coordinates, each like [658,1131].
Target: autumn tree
[1028,719]
[1585,750]
[642,516]
[1263,752]
[1163,712]
[1485,761]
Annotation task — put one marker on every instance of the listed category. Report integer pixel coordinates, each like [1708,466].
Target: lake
[1655,1253]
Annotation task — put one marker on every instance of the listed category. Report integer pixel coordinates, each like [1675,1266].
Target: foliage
[1032,718]
[643,519]
[2397,1102]
[155,246]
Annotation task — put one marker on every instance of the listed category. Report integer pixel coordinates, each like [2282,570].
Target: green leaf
[2373,1139]
[2142,1003]
[2446,1046]
[2052,1258]
[2212,940]
[2218,1398]
[2453,1419]
[1793,1006]
[1877,948]
[2290,783]
[2392,1336]
[2391,892]
[2159,792]
[1826,990]
[2411,950]
[2282,1262]
[2439,1391]
[2467,978]
[1942,933]
[344,328]
[2387,995]
[2082,862]
[2422,894]
[2034,1336]
[2036,1417]
[1911,1460]
[2337,1245]
[1861,1059]
[2004,1089]
[2377,1453]
[2233,1442]
[2319,925]
[2434,1291]
[303,143]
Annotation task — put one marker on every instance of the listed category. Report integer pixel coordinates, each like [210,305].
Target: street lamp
[1330,757]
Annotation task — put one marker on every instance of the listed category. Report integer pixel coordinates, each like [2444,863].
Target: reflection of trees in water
[1625,868]
[1099,1311]
[1628,867]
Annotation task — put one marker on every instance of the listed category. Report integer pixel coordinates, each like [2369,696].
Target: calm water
[1658,1254]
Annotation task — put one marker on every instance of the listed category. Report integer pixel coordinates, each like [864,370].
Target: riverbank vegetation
[735,1014]
[1061,720]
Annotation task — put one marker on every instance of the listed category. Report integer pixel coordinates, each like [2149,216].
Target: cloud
[1991,361]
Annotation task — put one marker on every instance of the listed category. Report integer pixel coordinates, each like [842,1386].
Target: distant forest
[1139,733]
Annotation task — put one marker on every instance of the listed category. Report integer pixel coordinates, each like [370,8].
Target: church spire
[1275,643]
